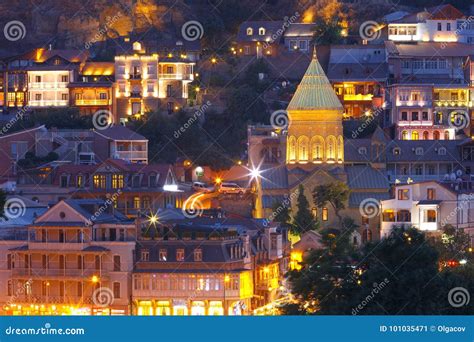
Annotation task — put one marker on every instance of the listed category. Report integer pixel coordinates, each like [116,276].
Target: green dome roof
[314,91]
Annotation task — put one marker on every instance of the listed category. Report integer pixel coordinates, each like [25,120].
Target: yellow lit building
[315,121]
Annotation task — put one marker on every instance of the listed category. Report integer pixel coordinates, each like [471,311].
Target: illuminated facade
[146,82]
[442,23]
[72,252]
[315,121]
[428,206]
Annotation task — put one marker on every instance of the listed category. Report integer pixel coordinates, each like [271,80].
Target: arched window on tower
[292,149]
[340,149]
[331,148]
[303,149]
[317,148]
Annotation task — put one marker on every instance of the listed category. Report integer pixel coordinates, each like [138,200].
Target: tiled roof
[366,177]
[431,150]
[423,49]
[268,201]
[274,178]
[355,198]
[315,91]
[120,132]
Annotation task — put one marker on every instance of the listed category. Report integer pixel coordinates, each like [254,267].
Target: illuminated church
[315,121]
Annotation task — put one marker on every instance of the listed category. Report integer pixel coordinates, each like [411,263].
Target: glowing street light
[95,279]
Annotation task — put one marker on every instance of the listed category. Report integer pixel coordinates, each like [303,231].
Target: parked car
[202,187]
[231,188]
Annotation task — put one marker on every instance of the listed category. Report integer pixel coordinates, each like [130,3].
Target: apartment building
[76,260]
[429,206]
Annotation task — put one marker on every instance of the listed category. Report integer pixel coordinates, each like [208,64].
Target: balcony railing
[92,102]
[32,299]
[49,272]
[358,97]
[453,103]
[48,85]
[130,155]
[174,76]
[48,103]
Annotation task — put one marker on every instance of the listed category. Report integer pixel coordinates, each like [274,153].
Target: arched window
[317,148]
[261,31]
[446,135]
[137,46]
[303,149]
[292,149]
[436,135]
[249,31]
[426,135]
[414,135]
[331,148]
[404,135]
[340,149]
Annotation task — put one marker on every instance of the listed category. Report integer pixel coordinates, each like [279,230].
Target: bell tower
[315,121]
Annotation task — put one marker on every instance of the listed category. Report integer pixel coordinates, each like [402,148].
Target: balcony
[36,299]
[48,103]
[453,103]
[358,97]
[47,85]
[131,155]
[92,102]
[135,94]
[135,76]
[51,272]
[175,76]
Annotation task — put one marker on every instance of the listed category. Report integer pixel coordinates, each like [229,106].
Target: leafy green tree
[282,213]
[303,220]
[325,283]
[453,245]
[336,194]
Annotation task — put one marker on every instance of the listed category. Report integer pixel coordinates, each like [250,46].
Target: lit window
[403,194]
[163,255]
[414,135]
[198,254]
[249,31]
[99,181]
[145,255]
[429,216]
[116,289]
[314,211]
[430,194]
[325,214]
[261,31]
[117,181]
[180,254]
[388,216]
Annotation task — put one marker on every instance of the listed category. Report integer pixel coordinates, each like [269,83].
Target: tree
[336,194]
[303,220]
[281,213]
[324,283]
[453,245]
